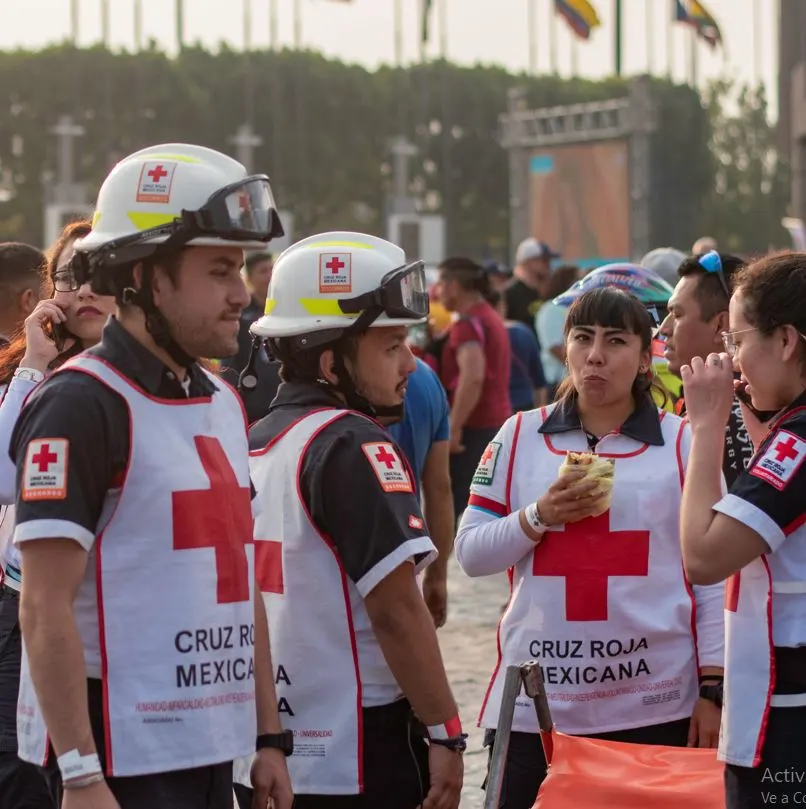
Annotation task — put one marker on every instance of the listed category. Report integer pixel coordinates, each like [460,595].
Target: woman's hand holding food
[572,497]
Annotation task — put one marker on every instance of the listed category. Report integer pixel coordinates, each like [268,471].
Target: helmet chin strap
[355,401]
[156,324]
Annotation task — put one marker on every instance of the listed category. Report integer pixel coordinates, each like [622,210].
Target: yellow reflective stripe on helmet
[270,304]
[179,158]
[96,218]
[144,221]
[323,307]
[359,245]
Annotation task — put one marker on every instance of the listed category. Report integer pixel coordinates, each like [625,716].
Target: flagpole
[74,22]
[105,22]
[531,22]
[617,43]
[273,24]
[553,37]
[443,28]
[247,25]
[297,24]
[399,33]
[180,24]
[424,28]
[756,42]
[650,31]
[670,43]
[138,24]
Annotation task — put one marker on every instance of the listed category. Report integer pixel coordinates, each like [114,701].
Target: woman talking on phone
[59,327]
[755,536]
[598,592]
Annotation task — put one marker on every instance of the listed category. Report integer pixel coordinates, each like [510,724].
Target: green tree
[750,191]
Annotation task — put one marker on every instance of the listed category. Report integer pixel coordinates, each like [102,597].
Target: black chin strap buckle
[247,380]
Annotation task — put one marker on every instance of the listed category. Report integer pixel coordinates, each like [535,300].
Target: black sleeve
[768,496]
[360,495]
[70,446]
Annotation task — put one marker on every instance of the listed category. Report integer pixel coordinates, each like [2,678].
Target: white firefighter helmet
[151,194]
[331,282]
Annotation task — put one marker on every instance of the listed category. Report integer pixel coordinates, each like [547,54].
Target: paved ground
[468,648]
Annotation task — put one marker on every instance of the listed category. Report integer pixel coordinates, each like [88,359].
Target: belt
[12,577]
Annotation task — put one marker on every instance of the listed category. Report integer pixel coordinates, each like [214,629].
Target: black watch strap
[277,741]
[458,744]
[713,693]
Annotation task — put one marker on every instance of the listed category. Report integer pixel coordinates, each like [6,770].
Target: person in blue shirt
[424,438]
[527,382]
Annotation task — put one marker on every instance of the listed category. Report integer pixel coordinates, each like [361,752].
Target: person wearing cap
[528,288]
[665,261]
[340,538]
[146,664]
[499,274]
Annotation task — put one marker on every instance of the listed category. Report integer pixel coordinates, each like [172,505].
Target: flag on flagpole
[694,13]
[580,15]
[428,6]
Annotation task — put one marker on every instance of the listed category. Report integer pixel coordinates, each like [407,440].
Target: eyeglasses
[731,348]
[64,279]
[712,262]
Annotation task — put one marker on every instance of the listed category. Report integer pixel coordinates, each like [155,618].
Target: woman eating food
[579,502]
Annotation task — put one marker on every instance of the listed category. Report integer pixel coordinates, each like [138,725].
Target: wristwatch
[458,744]
[278,741]
[713,693]
[30,374]
[533,519]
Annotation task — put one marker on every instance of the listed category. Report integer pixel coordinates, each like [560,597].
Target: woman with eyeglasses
[755,535]
[59,327]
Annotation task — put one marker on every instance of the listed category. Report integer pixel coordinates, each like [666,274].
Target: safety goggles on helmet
[711,262]
[241,212]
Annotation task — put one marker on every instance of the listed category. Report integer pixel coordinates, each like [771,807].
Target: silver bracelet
[84,781]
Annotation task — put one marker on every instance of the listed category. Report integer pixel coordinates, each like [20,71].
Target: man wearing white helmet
[340,537]
[147,665]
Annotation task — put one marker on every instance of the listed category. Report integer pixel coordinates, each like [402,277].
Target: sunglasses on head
[711,262]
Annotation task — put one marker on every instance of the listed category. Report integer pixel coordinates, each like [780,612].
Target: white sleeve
[10,408]
[710,624]
[709,600]
[490,540]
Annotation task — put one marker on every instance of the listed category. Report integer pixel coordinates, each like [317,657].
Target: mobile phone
[744,397]
[59,334]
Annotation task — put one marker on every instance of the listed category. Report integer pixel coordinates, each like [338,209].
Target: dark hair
[258,257]
[494,298]
[710,294]
[11,355]
[774,292]
[302,365]
[561,279]
[470,276]
[20,263]
[613,308]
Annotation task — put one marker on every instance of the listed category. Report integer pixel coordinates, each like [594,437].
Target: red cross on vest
[586,554]
[335,264]
[269,566]
[219,517]
[488,453]
[385,457]
[157,173]
[44,458]
[785,450]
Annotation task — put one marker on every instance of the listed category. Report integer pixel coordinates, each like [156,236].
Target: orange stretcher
[596,774]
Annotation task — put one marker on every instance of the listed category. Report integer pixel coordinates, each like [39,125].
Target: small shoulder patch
[389,468]
[485,471]
[781,459]
[44,475]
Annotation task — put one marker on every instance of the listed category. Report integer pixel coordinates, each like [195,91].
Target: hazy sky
[488,31]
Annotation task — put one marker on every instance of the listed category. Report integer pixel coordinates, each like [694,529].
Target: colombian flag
[580,15]
[694,13]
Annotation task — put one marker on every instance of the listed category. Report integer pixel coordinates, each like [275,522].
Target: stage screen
[580,201]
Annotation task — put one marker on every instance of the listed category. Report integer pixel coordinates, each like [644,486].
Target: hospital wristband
[83,781]
[74,767]
[452,729]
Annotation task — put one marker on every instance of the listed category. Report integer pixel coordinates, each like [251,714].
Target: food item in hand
[595,468]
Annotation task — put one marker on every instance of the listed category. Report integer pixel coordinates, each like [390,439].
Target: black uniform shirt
[94,421]
[342,484]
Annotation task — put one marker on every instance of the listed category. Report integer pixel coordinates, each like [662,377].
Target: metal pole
[273,25]
[105,33]
[495,782]
[650,31]
[74,22]
[247,25]
[617,44]
[138,24]
[297,24]
[443,28]
[180,24]
[399,33]
[553,40]
[531,22]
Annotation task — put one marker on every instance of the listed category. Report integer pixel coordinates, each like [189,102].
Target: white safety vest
[313,609]
[603,605]
[168,602]
[749,649]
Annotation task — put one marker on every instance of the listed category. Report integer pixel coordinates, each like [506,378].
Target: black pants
[198,788]
[782,771]
[525,768]
[395,766]
[463,465]
[22,785]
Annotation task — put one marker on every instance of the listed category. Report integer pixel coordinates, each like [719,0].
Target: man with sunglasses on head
[698,315]
[146,666]
[340,538]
